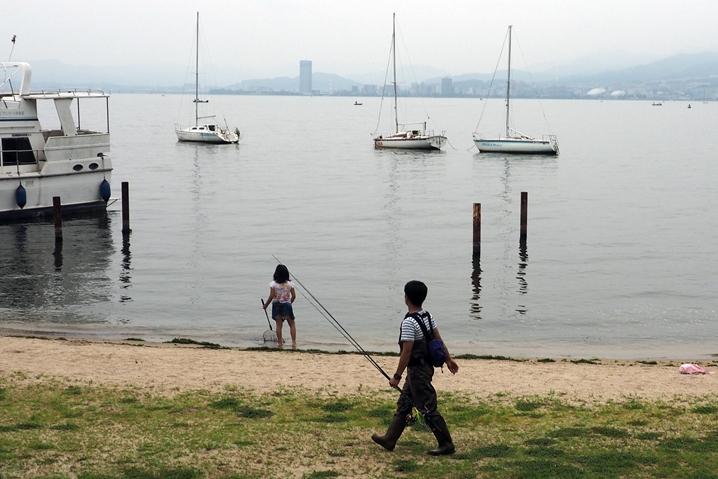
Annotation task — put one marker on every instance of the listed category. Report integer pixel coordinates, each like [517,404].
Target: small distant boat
[356,103]
[208,132]
[38,164]
[657,103]
[414,139]
[689,105]
[514,142]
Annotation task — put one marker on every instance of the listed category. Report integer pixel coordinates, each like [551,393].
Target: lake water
[620,259]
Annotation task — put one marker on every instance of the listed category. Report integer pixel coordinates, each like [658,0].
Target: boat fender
[105,190]
[21,196]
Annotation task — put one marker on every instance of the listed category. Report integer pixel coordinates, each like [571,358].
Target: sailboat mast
[508,86]
[393,50]
[196,78]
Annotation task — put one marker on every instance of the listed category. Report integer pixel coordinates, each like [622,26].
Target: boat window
[17,151]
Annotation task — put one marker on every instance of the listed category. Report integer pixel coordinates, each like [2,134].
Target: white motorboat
[35,164]
[407,139]
[513,141]
[206,132]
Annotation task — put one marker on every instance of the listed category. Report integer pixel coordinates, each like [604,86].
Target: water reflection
[126,269]
[403,167]
[511,171]
[57,254]
[47,279]
[474,304]
[521,275]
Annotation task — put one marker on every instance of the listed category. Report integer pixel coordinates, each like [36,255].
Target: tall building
[305,76]
[447,88]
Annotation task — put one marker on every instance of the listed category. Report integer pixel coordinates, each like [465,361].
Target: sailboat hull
[435,142]
[520,146]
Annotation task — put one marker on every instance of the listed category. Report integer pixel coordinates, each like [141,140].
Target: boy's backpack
[435,347]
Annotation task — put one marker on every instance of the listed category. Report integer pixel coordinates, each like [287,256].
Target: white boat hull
[78,191]
[435,142]
[203,134]
[521,146]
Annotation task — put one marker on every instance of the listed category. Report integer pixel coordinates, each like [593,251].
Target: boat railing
[553,140]
[19,157]
[550,138]
[65,93]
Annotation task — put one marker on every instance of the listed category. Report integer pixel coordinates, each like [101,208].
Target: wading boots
[441,433]
[388,440]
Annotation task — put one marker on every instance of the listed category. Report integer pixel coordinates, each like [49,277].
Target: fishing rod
[410,418]
[333,321]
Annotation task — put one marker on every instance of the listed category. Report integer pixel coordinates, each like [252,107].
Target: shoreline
[169,369]
[558,350]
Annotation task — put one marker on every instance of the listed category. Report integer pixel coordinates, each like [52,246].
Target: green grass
[55,430]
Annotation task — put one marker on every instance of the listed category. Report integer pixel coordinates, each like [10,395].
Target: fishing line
[333,321]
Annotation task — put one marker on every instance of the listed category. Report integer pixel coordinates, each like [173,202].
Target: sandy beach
[168,369]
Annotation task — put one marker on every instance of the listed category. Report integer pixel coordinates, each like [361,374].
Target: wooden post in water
[524,215]
[57,216]
[477,230]
[126,208]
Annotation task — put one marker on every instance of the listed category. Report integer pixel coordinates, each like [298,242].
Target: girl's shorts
[282,309]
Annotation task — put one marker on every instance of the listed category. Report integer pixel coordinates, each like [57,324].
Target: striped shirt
[410,330]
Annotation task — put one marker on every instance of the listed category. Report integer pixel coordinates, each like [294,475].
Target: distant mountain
[409,75]
[677,67]
[596,62]
[320,81]
[267,84]
[330,81]
[499,76]
[53,74]
[166,77]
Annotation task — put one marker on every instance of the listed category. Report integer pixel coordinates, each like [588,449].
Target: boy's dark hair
[416,291]
[281,274]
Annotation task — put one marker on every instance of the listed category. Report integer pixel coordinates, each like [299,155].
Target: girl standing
[281,297]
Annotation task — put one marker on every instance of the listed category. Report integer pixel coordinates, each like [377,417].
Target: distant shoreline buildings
[687,90]
[682,77]
[691,77]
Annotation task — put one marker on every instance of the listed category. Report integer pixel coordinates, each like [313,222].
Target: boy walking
[418,390]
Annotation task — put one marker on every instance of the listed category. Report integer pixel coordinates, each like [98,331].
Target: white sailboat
[513,141]
[417,138]
[207,132]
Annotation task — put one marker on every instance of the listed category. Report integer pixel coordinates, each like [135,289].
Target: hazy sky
[268,37]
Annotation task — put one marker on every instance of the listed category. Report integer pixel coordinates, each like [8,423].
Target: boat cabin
[204,128]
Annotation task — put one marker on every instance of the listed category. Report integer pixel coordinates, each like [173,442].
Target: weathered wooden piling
[126,208]
[524,215]
[57,216]
[477,230]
